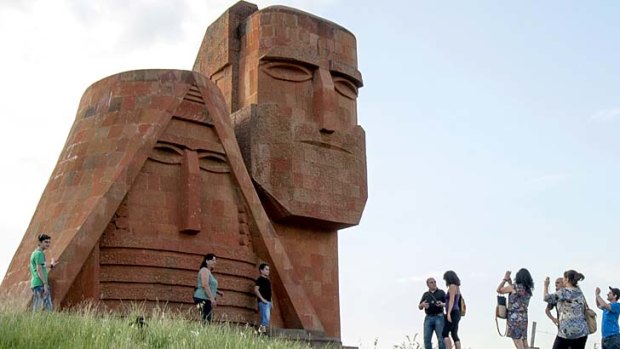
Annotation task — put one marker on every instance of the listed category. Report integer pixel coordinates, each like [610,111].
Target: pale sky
[492,138]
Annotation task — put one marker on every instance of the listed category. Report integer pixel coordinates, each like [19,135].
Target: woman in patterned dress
[519,295]
[573,329]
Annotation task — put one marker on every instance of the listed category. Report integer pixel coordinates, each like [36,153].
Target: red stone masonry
[291,81]
[255,156]
[150,180]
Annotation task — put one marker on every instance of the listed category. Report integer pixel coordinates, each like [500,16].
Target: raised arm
[600,302]
[502,288]
[546,289]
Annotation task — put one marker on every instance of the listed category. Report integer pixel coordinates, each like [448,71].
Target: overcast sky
[492,138]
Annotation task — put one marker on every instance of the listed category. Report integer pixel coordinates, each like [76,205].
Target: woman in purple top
[453,313]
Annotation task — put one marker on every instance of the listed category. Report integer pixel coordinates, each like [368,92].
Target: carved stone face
[188,180]
[307,153]
[195,150]
[184,201]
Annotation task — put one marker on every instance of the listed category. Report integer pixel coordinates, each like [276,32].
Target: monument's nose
[325,102]
[189,208]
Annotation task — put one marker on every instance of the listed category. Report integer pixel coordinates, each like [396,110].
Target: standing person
[263,295]
[609,325]
[453,312]
[206,288]
[433,302]
[559,284]
[519,295]
[573,328]
[39,283]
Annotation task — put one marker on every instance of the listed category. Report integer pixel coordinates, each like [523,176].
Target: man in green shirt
[41,292]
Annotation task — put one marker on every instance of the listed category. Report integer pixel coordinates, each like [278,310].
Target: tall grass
[89,327]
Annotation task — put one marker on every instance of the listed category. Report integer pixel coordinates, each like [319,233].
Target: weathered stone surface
[290,80]
[255,156]
[156,192]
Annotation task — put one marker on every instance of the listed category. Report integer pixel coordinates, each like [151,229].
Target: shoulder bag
[501,312]
[590,316]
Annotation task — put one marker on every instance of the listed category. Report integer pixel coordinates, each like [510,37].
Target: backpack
[462,306]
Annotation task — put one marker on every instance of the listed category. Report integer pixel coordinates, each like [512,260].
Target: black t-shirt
[264,287]
[433,299]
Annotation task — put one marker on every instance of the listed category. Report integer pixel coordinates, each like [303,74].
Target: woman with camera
[519,294]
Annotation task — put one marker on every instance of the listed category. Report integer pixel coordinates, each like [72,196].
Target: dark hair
[43,237]
[524,278]
[573,277]
[451,278]
[263,266]
[208,257]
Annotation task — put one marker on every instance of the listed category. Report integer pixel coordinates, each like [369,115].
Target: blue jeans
[40,301]
[611,342]
[433,323]
[265,312]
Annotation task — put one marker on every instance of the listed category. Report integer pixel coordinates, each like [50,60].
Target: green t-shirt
[37,258]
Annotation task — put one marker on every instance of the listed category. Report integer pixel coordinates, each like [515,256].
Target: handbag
[590,317]
[501,312]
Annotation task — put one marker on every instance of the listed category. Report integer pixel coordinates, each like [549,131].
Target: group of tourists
[443,312]
[443,309]
[205,292]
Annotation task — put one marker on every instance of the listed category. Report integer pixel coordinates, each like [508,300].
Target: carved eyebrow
[167,146]
[286,54]
[213,162]
[290,60]
[345,87]
[346,72]
[210,154]
[347,77]
[166,153]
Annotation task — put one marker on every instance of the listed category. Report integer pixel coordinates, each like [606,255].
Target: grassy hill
[89,328]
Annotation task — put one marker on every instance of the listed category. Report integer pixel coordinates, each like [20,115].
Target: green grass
[91,328]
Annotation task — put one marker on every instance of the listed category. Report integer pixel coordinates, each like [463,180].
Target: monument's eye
[287,71]
[167,154]
[213,162]
[345,87]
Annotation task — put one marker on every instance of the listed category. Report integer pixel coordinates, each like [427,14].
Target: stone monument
[255,156]
[290,80]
